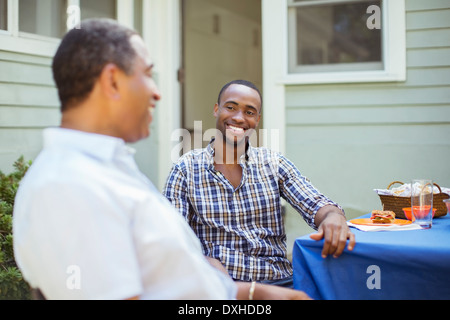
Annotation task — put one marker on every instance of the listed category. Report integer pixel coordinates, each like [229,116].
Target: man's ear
[216,109]
[109,80]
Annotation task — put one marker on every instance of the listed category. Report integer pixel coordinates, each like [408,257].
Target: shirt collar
[99,146]
[247,158]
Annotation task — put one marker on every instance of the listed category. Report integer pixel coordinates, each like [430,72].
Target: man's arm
[318,211]
[268,292]
[261,291]
[332,226]
[175,190]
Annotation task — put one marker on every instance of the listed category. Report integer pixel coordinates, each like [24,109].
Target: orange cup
[418,211]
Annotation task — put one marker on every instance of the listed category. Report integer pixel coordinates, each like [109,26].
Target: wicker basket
[396,204]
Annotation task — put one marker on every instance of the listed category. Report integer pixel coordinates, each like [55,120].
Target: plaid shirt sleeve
[176,189]
[300,193]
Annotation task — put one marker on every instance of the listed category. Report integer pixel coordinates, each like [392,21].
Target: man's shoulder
[264,154]
[53,171]
[193,156]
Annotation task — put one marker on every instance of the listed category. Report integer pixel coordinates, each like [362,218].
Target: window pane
[98,9]
[336,34]
[3,14]
[46,18]
[138,8]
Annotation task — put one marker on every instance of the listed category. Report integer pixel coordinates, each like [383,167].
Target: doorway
[221,42]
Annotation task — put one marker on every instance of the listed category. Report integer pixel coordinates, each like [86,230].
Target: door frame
[163,20]
[274,35]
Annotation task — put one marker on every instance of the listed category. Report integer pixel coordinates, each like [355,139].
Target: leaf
[12,284]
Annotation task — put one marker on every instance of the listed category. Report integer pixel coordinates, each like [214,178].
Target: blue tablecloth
[396,265]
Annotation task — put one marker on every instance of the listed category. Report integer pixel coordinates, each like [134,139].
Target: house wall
[28,104]
[352,138]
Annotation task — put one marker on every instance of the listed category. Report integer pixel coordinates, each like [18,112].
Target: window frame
[28,43]
[393,51]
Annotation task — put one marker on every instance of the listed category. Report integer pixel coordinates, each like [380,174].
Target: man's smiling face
[237,113]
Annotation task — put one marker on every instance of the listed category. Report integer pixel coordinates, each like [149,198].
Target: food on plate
[379,216]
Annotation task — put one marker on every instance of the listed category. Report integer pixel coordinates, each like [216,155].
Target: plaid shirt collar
[246,159]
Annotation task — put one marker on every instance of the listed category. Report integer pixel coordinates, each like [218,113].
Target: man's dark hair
[83,53]
[243,83]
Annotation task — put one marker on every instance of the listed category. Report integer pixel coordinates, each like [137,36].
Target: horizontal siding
[349,95]
[14,142]
[28,95]
[435,57]
[431,38]
[24,73]
[421,5]
[25,58]
[432,19]
[28,104]
[419,76]
[352,138]
[369,115]
[375,135]
[28,117]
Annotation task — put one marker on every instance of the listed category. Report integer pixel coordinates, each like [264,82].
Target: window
[48,18]
[43,17]
[137,16]
[3,14]
[345,41]
[98,9]
[333,37]
[36,26]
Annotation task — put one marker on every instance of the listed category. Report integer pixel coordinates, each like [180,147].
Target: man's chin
[137,138]
[236,141]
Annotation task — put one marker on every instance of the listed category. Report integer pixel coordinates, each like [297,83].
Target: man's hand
[334,229]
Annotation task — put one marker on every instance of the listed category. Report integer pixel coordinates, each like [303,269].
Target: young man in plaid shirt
[230,194]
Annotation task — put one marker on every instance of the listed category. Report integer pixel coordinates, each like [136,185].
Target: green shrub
[12,284]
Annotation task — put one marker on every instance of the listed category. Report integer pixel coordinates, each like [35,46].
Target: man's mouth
[236,130]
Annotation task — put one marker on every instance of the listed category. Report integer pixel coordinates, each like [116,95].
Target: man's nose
[156,94]
[238,116]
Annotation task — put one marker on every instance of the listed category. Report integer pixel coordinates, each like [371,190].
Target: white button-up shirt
[89,225]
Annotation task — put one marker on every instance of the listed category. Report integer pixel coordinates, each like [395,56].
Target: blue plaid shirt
[243,227]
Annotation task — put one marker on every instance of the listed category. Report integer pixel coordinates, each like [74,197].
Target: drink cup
[422,202]
[447,203]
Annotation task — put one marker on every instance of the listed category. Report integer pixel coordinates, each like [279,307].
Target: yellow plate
[368,222]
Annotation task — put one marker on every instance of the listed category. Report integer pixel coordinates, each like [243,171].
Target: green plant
[12,284]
